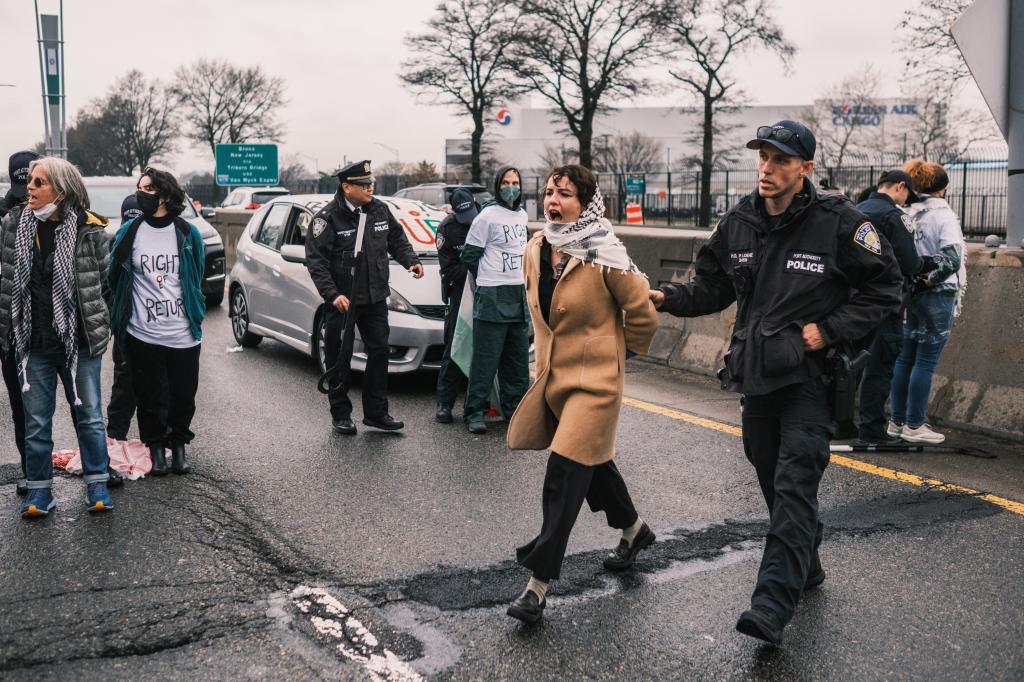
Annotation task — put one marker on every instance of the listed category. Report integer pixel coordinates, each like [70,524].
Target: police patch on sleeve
[867,238]
[439,239]
[907,223]
[319,225]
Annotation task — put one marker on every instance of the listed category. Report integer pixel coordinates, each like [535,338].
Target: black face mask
[148,203]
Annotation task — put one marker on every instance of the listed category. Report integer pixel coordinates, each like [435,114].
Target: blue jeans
[929,319]
[43,370]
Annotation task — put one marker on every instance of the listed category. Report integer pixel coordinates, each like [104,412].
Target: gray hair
[66,180]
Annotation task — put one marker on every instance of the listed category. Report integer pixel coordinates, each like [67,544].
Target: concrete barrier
[230,223]
[979,383]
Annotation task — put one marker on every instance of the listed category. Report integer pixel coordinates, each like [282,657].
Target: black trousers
[154,368]
[121,407]
[785,436]
[450,380]
[874,387]
[12,381]
[371,319]
[566,485]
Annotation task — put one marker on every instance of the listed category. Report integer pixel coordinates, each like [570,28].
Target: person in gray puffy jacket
[55,322]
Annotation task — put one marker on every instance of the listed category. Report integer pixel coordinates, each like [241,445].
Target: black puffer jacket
[799,272]
[92,255]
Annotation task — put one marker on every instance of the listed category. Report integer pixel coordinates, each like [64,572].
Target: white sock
[538,586]
[629,534]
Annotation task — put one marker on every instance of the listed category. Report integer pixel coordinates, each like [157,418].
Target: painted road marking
[333,620]
[841,460]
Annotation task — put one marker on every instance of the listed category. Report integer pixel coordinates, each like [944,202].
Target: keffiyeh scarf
[65,293]
[591,239]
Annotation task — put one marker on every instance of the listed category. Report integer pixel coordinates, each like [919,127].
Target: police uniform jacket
[451,239]
[330,246]
[896,227]
[785,275]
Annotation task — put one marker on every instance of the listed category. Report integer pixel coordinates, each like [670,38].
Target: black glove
[920,285]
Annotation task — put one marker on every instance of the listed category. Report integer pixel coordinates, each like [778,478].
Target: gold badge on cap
[366,167]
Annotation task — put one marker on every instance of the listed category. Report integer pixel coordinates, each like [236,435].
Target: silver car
[272,295]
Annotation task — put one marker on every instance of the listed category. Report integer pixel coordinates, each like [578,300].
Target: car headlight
[398,303]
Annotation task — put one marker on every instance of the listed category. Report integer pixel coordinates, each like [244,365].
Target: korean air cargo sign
[868,114]
[247,164]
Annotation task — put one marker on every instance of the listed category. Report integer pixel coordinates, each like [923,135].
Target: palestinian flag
[462,342]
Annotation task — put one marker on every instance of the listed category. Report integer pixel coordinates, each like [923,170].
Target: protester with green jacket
[494,252]
[156,273]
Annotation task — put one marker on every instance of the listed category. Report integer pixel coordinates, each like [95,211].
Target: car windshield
[263,197]
[106,200]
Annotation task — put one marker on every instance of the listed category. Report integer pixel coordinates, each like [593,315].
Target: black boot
[158,454]
[179,464]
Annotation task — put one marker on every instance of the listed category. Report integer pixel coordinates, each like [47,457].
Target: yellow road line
[841,460]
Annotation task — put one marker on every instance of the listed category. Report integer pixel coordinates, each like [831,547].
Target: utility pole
[50,37]
[1015,130]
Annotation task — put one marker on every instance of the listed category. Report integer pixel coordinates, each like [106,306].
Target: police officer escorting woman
[330,248]
[789,256]
[451,239]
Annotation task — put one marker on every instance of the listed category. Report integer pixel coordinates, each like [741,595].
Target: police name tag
[805,263]
[741,258]
[381,226]
[867,238]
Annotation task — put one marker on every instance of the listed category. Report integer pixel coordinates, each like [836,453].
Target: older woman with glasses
[55,320]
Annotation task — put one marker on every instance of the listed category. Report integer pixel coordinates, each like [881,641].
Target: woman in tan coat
[589,305]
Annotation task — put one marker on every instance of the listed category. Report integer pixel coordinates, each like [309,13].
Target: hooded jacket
[937,233]
[91,257]
[800,271]
[494,251]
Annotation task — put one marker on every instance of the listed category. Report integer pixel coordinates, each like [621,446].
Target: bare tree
[710,33]
[465,60]
[223,103]
[631,153]
[583,53]
[94,144]
[422,172]
[554,155]
[930,51]
[292,171]
[940,130]
[845,121]
[145,115]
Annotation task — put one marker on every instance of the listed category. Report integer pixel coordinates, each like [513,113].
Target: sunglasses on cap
[783,135]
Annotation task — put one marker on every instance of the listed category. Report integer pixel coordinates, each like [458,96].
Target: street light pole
[390,149]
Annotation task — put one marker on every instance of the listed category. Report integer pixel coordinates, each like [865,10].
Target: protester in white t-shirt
[156,275]
[494,254]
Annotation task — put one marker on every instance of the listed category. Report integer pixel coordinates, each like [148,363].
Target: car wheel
[320,347]
[240,321]
[214,300]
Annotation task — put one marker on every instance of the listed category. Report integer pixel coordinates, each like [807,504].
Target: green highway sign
[246,164]
[636,184]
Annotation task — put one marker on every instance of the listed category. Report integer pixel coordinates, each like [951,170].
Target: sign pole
[1015,129]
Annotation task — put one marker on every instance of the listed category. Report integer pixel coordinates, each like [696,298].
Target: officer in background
[330,246]
[895,188]
[789,256]
[451,239]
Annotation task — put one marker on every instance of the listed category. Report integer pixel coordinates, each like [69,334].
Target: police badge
[319,225]
[866,238]
[907,223]
[439,240]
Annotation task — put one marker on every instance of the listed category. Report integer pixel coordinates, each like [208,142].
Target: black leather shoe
[21,487]
[179,464]
[159,457]
[384,423]
[443,414]
[623,556]
[762,623]
[815,579]
[345,426]
[116,479]
[527,607]
[476,425]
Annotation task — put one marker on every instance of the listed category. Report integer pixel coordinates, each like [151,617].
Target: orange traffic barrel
[634,214]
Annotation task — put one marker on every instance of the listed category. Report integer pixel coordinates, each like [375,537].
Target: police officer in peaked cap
[789,256]
[330,247]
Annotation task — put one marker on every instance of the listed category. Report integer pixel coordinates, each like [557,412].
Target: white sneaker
[921,434]
[893,429]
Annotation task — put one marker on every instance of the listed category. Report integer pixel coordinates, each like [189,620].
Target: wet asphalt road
[292,552]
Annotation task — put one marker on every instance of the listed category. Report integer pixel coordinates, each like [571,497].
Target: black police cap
[17,169]
[356,173]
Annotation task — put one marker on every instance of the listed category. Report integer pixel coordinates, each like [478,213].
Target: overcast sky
[340,60]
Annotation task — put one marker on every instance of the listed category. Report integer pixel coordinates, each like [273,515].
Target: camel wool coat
[596,314]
